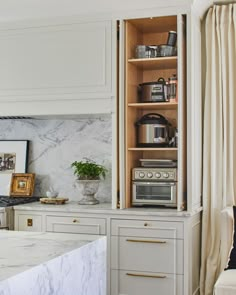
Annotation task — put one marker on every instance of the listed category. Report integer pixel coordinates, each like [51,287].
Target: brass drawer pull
[146,241]
[29,222]
[145,276]
[75,220]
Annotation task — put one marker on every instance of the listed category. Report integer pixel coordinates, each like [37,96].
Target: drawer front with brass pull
[76,224]
[139,283]
[29,222]
[147,254]
[147,228]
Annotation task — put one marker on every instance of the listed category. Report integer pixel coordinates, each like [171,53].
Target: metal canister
[173,89]
[172,37]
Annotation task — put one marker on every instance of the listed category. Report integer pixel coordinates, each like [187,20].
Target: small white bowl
[51,194]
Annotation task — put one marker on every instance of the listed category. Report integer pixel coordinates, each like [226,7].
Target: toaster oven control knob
[141,174]
[158,175]
[149,175]
[166,175]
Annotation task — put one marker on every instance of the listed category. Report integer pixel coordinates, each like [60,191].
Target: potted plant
[89,175]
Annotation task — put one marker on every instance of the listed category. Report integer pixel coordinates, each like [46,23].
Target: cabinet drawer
[145,254]
[139,283]
[76,224]
[147,228]
[29,222]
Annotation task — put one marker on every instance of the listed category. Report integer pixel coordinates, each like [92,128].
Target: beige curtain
[219,134]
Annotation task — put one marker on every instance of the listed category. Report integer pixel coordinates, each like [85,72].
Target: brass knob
[145,224]
[75,220]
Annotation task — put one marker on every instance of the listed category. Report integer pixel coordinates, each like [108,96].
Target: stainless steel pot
[152,131]
[153,91]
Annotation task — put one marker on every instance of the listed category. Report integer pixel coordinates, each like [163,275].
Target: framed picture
[22,184]
[13,159]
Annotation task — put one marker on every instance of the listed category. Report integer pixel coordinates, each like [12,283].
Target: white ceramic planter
[89,189]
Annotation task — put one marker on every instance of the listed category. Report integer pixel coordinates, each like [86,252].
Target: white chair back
[227,226]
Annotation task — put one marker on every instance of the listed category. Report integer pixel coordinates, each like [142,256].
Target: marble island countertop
[51,263]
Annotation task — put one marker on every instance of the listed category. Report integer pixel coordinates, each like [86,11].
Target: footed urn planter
[89,189]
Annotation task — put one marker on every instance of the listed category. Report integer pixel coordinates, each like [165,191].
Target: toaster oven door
[154,193]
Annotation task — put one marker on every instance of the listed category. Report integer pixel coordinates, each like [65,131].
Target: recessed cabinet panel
[29,222]
[37,62]
[155,254]
[76,224]
[139,283]
[147,228]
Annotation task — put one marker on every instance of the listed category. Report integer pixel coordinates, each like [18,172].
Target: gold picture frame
[22,184]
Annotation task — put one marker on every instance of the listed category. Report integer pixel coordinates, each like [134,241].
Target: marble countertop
[104,208]
[21,251]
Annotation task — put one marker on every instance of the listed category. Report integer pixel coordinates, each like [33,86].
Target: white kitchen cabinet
[152,253]
[76,224]
[28,222]
[139,283]
[155,254]
[56,67]
[60,222]
[149,251]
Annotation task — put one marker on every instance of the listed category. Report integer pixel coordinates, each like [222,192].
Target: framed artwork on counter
[13,159]
[22,184]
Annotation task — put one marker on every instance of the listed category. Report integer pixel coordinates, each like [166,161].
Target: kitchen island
[52,263]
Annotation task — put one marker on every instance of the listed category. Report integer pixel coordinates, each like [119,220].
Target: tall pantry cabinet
[184,113]
[169,258]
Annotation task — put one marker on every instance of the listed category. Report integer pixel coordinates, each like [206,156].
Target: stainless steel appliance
[7,212]
[152,131]
[154,186]
[153,91]
[158,163]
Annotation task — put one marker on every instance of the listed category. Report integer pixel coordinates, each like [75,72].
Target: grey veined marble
[56,143]
[52,264]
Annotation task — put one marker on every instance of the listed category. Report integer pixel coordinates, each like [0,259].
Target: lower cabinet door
[29,222]
[145,283]
[76,225]
[147,254]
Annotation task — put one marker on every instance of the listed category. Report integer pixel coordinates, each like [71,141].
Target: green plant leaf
[88,169]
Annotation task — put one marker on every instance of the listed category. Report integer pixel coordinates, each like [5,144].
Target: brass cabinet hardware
[145,276]
[29,222]
[145,224]
[75,220]
[146,241]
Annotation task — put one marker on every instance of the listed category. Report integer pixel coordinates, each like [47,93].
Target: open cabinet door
[194,114]
[121,112]
[182,122]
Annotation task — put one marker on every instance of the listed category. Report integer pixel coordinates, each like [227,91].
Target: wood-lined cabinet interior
[150,31]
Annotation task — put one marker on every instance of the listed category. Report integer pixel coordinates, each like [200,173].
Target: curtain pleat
[219,137]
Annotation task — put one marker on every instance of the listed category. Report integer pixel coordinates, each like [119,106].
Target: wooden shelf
[156,63]
[152,149]
[154,105]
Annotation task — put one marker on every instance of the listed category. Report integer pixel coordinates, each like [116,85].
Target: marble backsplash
[56,143]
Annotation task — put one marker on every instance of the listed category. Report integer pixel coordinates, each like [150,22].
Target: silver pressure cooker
[152,131]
